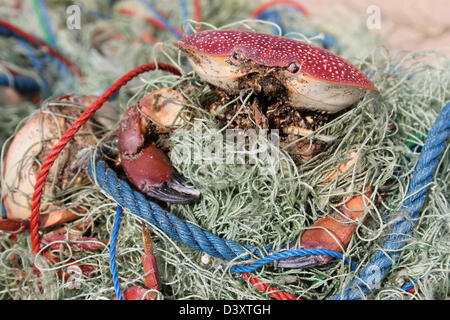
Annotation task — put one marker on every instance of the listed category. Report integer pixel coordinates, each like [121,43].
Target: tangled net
[265,203]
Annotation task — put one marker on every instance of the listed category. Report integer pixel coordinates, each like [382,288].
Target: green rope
[47,37]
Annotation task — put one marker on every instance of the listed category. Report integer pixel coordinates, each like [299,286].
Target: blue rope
[409,286]
[163,20]
[37,64]
[98,14]
[182,231]
[169,223]
[272,14]
[184,16]
[21,84]
[7,33]
[47,23]
[383,259]
[289,254]
[112,253]
[184,10]
[186,232]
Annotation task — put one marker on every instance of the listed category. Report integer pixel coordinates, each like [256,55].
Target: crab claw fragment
[30,147]
[136,293]
[146,165]
[332,233]
[13,226]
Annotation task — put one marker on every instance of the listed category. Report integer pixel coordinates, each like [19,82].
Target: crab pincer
[144,163]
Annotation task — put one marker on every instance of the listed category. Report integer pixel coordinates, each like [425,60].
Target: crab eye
[237,56]
[293,68]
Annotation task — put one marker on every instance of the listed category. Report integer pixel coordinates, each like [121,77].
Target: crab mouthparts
[263,84]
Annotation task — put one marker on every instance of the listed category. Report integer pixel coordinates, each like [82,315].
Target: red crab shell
[324,81]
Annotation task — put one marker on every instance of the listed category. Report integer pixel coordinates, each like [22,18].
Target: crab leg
[149,261]
[13,226]
[334,231]
[146,165]
[150,272]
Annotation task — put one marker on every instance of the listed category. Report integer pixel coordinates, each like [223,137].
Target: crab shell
[321,81]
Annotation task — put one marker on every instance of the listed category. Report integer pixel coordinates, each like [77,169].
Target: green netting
[260,204]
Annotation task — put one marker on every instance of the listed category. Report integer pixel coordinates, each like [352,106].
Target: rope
[186,232]
[177,33]
[36,64]
[21,84]
[289,254]
[112,253]
[383,259]
[167,222]
[184,12]
[268,5]
[40,10]
[68,135]
[9,30]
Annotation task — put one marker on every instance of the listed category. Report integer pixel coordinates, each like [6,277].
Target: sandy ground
[404,24]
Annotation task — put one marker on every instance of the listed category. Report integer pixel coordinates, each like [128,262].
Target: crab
[297,87]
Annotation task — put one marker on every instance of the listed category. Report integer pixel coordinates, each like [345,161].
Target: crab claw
[145,165]
[332,233]
[13,226]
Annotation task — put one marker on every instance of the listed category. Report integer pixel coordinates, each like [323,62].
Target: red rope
[89,112]
[197,11]
[28,37]
[273,3]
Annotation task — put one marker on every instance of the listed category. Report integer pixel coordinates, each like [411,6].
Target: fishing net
[263,203]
